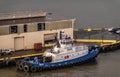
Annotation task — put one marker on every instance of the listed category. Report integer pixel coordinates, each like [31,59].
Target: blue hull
[89,56]
[33,67]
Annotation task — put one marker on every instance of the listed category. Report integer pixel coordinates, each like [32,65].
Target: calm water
[106,65]
[88,13]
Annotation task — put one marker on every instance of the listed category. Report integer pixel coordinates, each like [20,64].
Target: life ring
[20,66]
[33,69]
[26,68]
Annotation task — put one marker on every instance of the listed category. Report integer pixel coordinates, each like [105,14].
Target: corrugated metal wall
[21,20]
[58,25]
[32,27]
[20,28]
[4,30]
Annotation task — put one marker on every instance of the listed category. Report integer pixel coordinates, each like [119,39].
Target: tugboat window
[25,28]
[41,26]
[13,29]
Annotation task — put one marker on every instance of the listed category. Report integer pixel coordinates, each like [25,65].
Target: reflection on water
[106,65]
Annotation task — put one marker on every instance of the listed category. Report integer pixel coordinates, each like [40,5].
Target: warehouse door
[50,38]
[19,43]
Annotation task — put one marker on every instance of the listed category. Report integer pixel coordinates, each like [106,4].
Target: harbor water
[88,14]
[106,65]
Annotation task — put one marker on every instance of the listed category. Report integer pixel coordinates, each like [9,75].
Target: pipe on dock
[95,41]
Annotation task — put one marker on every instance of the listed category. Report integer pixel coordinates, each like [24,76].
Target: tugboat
[64,53]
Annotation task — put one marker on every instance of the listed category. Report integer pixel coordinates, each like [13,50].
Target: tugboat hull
[33,67]
[64,53]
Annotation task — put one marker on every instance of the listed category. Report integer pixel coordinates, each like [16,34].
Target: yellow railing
[95,41]
[17,57]
[90,29]
[102,43]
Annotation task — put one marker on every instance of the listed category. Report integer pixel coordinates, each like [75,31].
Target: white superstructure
[64,53]
[65,49]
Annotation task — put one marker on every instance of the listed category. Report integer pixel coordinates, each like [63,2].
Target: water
[106,65]
[88,13]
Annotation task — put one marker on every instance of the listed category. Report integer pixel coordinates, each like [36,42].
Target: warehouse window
[25,28]
[41,26]
[13,29]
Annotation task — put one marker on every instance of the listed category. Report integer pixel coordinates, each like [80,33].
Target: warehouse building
[22,30]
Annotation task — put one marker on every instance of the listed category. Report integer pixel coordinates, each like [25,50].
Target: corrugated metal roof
[26,18]
[25,14]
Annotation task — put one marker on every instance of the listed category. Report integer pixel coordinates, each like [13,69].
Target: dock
[104,45]
[15,56]
[28,53]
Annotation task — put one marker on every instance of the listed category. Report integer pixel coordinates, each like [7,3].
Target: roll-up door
[49,38]
[19,43]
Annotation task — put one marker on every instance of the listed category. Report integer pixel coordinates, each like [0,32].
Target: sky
[88,13]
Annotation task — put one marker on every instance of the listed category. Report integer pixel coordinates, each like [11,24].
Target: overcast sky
[88,13]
